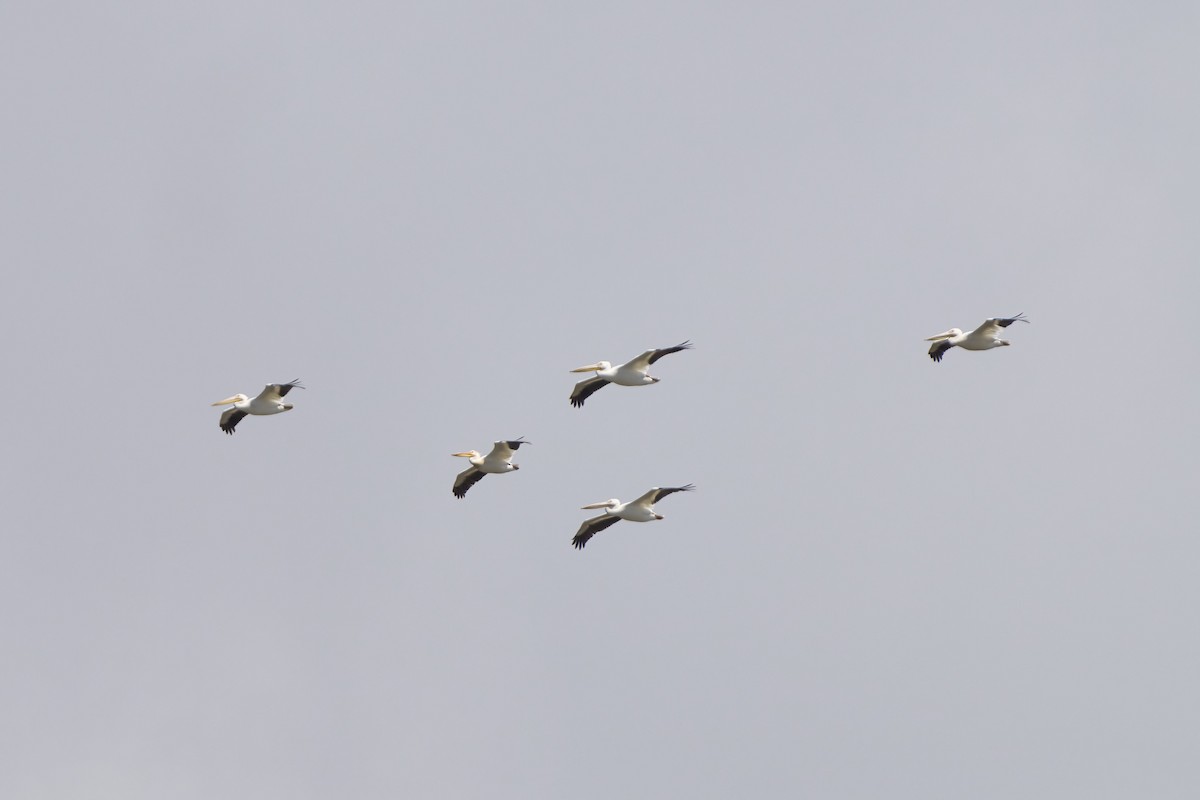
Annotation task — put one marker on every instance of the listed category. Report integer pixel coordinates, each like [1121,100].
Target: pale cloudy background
[896,579]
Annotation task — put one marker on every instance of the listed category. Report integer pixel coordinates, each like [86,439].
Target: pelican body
[640,510]
[269,401]
[635,372]
[497,462]
[985,337]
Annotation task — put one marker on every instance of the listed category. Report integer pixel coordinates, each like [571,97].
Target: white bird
[985,337]
[632,373]
[269,401]
[640,510]
[497,462]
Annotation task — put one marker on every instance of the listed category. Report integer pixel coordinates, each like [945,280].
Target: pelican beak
[940,336]
[462,455]
[594,505]
[592,368]
[227,401]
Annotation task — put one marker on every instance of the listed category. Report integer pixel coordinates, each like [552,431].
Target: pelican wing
[991,327]
[585,389]
[503,451]
[591,527]
[465,480]
[654,495]
[938,349]
[655,355]
[274,392]
[230,419]
[643,362]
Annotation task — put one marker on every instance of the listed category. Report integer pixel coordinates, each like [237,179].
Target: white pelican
[269,401]
[985,337]
[640,510]
[632,373]
[496,462]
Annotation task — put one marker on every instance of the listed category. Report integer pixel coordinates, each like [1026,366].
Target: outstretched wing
[504,450]
[230,419]
[938,349]
[591,527]
[465,480]
[991,327]
[672,490]
[655,355]
[643,362]
[585,389]
[274,392]
[654,495]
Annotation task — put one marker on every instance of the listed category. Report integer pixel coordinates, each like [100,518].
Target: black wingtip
[940,349]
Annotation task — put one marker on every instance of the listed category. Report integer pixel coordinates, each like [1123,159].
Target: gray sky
[896,579]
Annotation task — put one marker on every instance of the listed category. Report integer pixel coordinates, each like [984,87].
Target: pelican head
[950,334]
[237,398]
[599,365]
[613,503]
[467,454]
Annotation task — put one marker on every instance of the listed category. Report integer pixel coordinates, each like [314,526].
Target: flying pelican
[640,510]
[632,373]
[269,401]
[985,337]
[496,462]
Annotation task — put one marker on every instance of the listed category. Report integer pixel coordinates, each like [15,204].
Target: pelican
[496,462]
[985,337]
[640,510]
[269,401]
[631,373]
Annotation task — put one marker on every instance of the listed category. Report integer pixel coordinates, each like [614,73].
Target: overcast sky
[896,579]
